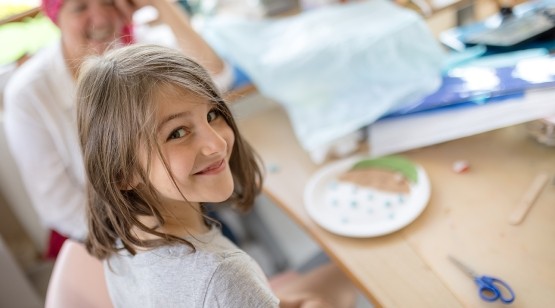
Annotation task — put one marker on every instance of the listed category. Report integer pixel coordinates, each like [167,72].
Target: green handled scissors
[489,288]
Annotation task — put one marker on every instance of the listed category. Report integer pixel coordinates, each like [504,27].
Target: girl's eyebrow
[173,116]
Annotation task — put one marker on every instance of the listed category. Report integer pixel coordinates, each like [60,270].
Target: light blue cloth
[334,69]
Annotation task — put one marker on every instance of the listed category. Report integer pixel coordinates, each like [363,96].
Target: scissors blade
[462,266]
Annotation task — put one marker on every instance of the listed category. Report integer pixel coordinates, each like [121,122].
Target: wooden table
[467,216]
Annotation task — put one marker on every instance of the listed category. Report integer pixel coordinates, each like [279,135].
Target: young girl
[39,101]
[159,142]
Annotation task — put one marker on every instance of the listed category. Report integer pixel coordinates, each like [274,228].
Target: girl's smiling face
[196,142]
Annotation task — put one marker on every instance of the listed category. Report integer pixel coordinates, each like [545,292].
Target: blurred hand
[128,7]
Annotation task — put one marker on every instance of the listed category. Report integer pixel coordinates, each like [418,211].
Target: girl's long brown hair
[115,115]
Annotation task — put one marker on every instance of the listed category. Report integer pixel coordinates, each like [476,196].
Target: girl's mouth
[213,169]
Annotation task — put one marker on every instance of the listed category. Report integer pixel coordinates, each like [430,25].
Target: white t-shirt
[41,130]
[217,274]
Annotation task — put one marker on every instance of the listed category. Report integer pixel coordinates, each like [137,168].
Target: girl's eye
[178,133]
[212,115]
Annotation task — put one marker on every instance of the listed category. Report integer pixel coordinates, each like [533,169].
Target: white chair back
[77,280]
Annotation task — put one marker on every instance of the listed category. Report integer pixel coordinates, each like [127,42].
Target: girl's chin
[223,196]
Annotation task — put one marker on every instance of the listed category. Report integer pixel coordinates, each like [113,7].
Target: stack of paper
[471,100]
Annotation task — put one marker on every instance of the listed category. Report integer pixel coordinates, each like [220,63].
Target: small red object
[461,166]
[54,245]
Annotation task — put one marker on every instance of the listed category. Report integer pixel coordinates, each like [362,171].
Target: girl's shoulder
[211,247]
[239,281]
[216,271]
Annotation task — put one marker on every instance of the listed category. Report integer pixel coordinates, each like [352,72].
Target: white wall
[15,289]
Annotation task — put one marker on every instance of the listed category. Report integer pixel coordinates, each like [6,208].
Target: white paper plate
[351,210]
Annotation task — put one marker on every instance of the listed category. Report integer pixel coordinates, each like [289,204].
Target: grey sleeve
[239,282]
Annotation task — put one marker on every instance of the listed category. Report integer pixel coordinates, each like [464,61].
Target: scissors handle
[491,289]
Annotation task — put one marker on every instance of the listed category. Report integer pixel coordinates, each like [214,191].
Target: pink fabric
[127,37]
[52,8]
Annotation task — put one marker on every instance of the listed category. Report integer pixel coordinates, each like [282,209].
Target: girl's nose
[211,141]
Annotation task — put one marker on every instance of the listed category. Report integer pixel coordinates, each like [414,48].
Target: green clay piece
[392,163]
